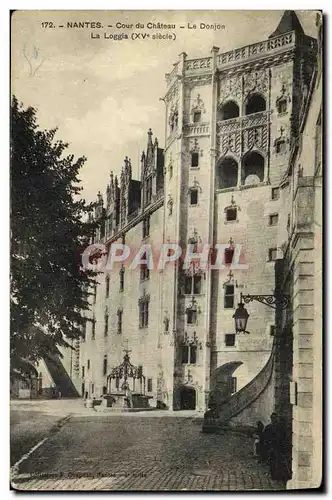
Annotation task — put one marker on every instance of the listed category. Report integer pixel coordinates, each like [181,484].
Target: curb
[14,470]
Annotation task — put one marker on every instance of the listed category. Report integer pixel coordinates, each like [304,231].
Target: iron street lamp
[241,315]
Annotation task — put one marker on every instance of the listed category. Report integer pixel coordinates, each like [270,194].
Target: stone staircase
[241,400]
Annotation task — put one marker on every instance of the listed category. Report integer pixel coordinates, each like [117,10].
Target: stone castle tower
[231,119]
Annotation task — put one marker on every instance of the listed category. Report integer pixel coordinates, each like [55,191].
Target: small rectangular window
[93,328]
[229,297]
[106,325]
[121,279]
[120,312]
[197,116]
[193,196]
[230,339]
[272,330]
[146,227]
[149,384]
[184,354]
[144,314]
[275,194]
[117,383]
[273,219]
[191,316]
[92,388]
[88,364]
[231,214]
[144,271]
[194,160]
[83,371]
[229,252]
[272,254]
[107,291]
[282,106]
[187,285]
[233,385]
[105,365]
[148,190]
[193,354]
[197,285]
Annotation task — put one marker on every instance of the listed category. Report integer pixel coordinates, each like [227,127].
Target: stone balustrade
[256,50]
[197,129]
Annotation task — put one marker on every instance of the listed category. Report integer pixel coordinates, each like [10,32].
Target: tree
[49,290]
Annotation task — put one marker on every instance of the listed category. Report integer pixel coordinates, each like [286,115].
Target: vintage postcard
[166,251]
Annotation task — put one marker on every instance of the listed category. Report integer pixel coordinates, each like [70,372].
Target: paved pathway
[139,452]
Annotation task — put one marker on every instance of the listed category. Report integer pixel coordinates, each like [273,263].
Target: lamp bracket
[274,301]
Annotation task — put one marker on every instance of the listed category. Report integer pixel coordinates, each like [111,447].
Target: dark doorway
[83,389]
[187,398]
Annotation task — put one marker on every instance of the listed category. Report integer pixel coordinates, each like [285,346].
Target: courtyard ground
[138,451]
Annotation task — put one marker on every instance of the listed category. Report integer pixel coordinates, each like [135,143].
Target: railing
[247,121]
[202,128]
[226,126]
[274,44]
[194,64]
[248,394]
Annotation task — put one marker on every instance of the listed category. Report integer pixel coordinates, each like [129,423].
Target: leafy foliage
[49,290]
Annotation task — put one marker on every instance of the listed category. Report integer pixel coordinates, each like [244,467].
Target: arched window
[229,110]
[252,169]
[255,104]
[227,173]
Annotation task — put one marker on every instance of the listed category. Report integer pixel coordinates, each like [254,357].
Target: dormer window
[148,190]
[197,116]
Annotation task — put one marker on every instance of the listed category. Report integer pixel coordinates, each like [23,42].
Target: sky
[104,94]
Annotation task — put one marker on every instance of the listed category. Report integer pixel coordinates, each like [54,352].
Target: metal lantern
[241,316]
